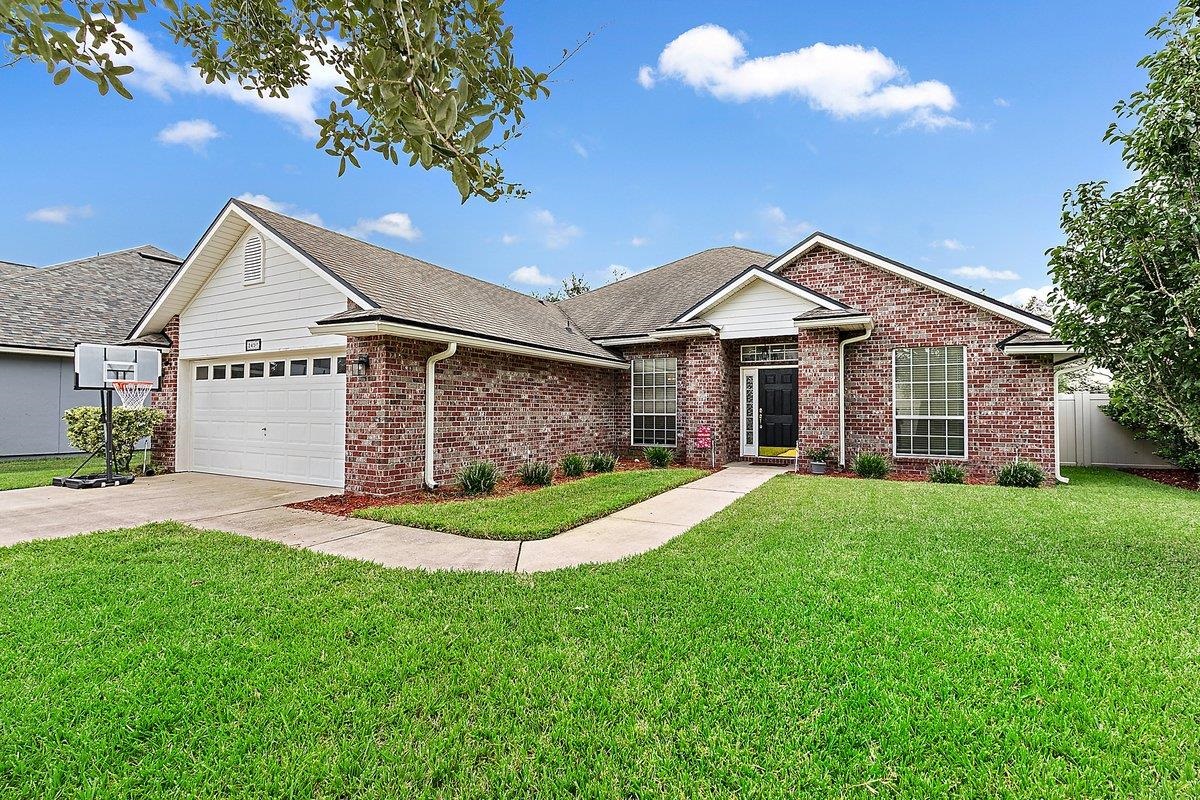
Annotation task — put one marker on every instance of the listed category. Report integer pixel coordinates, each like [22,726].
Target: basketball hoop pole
[106,406]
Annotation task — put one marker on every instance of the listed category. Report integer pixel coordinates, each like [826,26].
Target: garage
[281,417]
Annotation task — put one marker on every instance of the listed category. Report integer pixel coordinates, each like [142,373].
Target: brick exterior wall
[817,389]
[162,441]
[1010,400]
[495,406]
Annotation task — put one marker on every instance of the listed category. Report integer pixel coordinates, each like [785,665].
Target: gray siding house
[43,314]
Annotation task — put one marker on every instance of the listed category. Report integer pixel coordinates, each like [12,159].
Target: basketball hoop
[133,394]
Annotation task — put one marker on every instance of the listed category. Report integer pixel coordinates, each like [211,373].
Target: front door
[777,410]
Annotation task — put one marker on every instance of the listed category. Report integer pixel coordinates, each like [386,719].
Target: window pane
[653,401]
[322,366]
[299,367]
[237,371]
[256,369]
[276,369]
[218,372]
[930,404]
[201,373]
[341,365]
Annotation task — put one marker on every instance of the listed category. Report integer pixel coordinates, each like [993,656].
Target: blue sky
[949,148]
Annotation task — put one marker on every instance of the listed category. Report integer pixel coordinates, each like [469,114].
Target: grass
[537,514]
[25,473]
[821,637]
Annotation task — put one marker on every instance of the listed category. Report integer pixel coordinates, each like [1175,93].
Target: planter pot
[816,467]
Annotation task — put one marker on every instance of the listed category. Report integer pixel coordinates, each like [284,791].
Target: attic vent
[252,261]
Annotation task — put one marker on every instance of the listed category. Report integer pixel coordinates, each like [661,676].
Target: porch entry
[769,424]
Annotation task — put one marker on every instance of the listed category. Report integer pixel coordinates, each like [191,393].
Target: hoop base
[93,481]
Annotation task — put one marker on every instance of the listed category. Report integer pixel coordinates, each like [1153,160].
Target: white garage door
[277,418]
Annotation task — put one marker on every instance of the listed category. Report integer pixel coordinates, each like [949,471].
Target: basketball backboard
[98,366]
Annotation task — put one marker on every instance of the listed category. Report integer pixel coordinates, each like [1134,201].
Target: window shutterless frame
[965,415]
[646,378]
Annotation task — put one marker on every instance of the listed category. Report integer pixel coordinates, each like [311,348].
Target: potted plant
[817,456]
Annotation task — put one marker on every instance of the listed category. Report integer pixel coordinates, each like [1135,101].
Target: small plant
[947,473]
[536,473]
[822,453]
[872,465]
[1022,474]
[659,456]
[602,462]
[479,477]
[85,431]
[573,465]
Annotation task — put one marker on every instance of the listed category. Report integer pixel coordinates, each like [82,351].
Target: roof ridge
[635,276]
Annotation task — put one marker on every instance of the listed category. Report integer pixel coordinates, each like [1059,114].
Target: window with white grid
[930,402]
[654,394]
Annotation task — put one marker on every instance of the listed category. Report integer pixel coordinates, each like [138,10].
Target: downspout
[1070,365]
[430,370]
[862,337]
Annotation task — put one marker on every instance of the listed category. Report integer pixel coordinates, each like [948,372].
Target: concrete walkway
[257,509]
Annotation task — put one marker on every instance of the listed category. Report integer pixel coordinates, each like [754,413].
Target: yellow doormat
[777,452]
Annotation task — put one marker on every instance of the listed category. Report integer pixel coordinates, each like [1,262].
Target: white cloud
[986,274]
[555,234]
[509,238]
[844,80]
[784,228]
[59,215]
[531,276]
[159,74]
[193,133]
[1023,295]
[948,244]
[281,207]
[740,236]
[395,223]
[638,241]
[579,149]
[1000,101]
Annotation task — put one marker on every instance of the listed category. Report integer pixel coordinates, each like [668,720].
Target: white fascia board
[380,327]
[622,341]
[685,333]
[37,351]
[1037,350]
[755,274]
[231,209]
[909,274]
[862,321]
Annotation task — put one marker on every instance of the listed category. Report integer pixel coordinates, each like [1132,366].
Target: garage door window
[299,367]
[276,369]
[322,366]
[237,371]
[219,372]
[201,373]
[256,369]
[341,365]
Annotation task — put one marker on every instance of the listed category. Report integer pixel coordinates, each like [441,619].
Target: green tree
[433,80]
[572,286]
[1127,278]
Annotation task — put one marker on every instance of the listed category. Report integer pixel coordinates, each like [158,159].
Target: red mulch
[895,475]
[343,505]
[1180,478]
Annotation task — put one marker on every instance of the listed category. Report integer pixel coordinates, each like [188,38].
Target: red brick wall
[162,441]
[494,406]
[817,389]
[1010,400]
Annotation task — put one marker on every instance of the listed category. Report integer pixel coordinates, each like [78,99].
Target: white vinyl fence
[1089,437]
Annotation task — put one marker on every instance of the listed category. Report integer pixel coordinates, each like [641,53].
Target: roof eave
[858,322]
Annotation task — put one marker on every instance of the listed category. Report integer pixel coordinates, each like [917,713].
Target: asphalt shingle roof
[650,300]
[9,269]
[97,299]
[413,291]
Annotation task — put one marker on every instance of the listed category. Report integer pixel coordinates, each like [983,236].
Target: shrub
[572,465]
[659,456]
[536,473]
[479,477]
[872,465]
[947,473]
[821,454]
[85,432]
[1022,474]
[602,462]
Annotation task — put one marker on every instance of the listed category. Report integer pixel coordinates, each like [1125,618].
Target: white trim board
[752,274]
[945,287]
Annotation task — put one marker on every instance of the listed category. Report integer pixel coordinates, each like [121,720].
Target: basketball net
[133,394]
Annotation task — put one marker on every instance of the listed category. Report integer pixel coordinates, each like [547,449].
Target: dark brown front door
[777,408]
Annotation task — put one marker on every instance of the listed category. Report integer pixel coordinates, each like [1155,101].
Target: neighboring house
[300,354]
[43,314]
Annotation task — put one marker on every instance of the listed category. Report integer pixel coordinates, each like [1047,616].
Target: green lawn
[28,472]
[536,515]
[821,637]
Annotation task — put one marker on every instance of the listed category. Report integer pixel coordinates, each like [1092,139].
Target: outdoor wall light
[359,366]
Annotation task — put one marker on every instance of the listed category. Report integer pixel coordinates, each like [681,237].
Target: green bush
[572,465]
[947,473]
[1022,474]
[85,432]
[536,473]
[602,462]
[872,465]
[479,477]
[659,456]
[819,454]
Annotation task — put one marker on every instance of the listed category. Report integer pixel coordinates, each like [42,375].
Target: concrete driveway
[257,509]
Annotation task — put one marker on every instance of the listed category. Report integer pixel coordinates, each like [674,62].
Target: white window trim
[965,417]
[632,415]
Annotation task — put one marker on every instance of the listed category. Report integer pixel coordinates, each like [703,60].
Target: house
[43,314]
[300,354]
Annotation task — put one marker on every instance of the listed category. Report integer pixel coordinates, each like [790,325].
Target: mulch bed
[895,475]
[1179,478]
[343,505]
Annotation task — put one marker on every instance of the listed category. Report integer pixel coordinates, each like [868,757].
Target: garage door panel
[285,427]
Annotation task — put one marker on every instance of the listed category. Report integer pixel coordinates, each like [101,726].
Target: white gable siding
[225,312]
[758,309]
